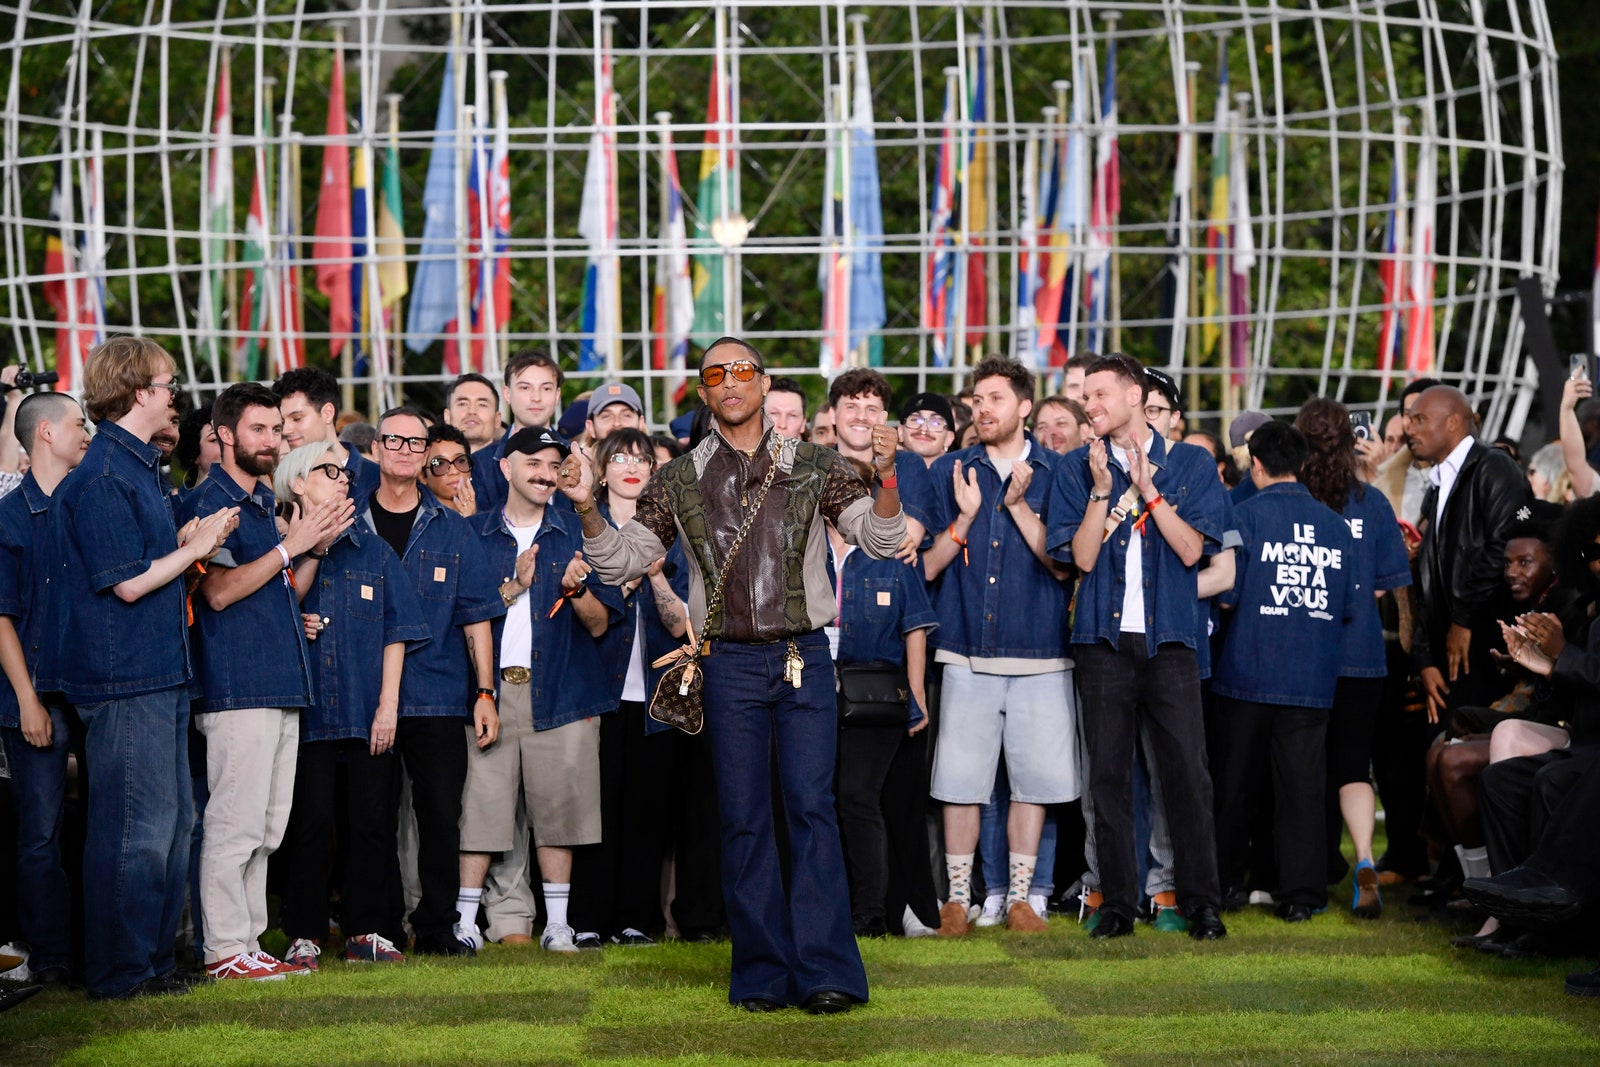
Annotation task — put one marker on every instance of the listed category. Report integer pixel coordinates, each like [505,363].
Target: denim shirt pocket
[437,576]
[879,601]
[363,594]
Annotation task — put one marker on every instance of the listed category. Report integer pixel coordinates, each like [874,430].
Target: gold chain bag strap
[679,698]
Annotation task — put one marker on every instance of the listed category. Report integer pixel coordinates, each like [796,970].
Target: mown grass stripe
[888,1059]
[631,1007]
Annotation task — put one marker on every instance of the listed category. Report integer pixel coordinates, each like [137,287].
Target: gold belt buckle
[515,675]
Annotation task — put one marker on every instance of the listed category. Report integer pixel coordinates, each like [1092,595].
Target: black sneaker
[1584,985]
[588,942]
[440,945]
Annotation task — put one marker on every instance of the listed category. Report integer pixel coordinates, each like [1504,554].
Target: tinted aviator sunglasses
[743,370]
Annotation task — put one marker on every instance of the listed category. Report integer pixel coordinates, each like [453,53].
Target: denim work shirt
[1186,478]
[880,602]
[457,587]
[366,600]
[364,474]
[1379,556]
[110,519]
[26,580]
[1293,594]
[916,491]
[569,680]
[616,647]
[251,654]
[1003,604]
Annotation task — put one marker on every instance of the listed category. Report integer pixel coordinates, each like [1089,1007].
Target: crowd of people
[387,687]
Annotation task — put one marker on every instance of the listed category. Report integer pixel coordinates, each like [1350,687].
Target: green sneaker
[1169,921]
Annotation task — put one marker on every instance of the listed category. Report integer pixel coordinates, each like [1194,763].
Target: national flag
[1055,311]
[1175,286]
[433,299]
[1054,238]
[716,166]
[489,272]
[291,348]
[1105,206]
[1217,228]
[1391,269]
[257,282]
[333,250]
[216,217]
[1027,254]
[937,304]
[672,309]
[601,346]
[1420,357]
[868,312]
[833,276]
[76,293]
[500,223]
[392,282]
[360,297]
[1243,242]
[974,186]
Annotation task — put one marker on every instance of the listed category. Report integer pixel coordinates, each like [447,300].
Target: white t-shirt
[516,639]
[1133,570]
[633,685]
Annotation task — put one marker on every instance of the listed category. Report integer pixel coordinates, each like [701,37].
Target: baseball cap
[1162,383]
[528,441]
[1245,424]
[929,402]
[681,425]
[613,393]
[570,424]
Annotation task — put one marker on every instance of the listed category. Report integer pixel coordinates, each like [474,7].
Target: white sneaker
[914,926]
[558,937]
[1261,896]
[470,936]
[994,911]
[1040,904]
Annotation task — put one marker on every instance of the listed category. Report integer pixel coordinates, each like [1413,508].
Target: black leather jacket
[1461,565]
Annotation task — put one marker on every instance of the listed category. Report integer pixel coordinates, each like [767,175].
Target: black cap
[1535,519]
[528,441]
[1162,383]
[929,402]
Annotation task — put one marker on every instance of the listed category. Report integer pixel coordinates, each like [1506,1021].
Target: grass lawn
[1331,990]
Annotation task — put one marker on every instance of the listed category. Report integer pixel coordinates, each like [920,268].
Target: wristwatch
[1095,497]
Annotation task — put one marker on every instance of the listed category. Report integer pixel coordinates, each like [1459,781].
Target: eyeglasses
[1590,552]
[175,385]
[931,422]
[333,472]
[631,459]
[394,442]
[438,464]
[743,370]
[1155,411]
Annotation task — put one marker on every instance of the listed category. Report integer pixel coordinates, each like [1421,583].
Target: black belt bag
[873,694]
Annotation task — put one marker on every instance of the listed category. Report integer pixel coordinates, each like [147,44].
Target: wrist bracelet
[584,510]
[284,552]
[482,692]
[951,533]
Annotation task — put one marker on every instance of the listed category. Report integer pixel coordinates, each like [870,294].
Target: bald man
[1473,496]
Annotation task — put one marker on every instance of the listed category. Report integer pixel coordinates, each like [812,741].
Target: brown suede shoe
[953,919]
[516,939]
[1021,918]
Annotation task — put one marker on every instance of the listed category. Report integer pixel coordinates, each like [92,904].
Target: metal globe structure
[1392,169]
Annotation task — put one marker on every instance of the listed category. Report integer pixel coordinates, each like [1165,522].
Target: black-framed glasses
[920,421]
[333,472]
[742,369]
[438,464]
[394,442]
[1590,552]
[1155,411]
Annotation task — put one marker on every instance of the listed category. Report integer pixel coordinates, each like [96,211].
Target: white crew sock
[467,901]
[555,902]
[1474,862]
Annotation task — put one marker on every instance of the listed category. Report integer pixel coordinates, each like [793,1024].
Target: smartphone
[1578,366]
[1361,424]
[1411,532]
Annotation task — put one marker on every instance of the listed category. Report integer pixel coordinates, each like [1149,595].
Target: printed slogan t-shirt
[1293,594]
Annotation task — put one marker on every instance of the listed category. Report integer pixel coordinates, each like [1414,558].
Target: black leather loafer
[828,1002]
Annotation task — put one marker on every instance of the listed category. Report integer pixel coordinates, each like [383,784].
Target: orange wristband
[950,532]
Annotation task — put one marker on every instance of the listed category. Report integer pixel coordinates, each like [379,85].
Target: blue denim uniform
[456,586]
[1004,603]
[1186,478]
[569,678]
[616,647]
[364,474]
[1293,594]
[367,601]
[27,580]
[1379,555]
[916,490]
[880,602]
[251,654]
[110,519]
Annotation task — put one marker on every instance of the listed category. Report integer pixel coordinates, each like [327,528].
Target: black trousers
[1518,796]
[1566,850]
[371,864]
[697,906]
[882,791]
[616,884]
[1399,754]
[1352,727]
[1293,742]
[1116,686]
[434,751]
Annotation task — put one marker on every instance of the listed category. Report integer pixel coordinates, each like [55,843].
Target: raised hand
[884,443]
[1017,485]
[1100,466]
[1525,650]
[208,533]
[466,501]
[577,571]
[1140,472]
[576,477]
[969,498]
[1574,390]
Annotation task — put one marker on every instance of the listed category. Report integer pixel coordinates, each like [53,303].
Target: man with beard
[769,681]
[1002,638]
[927,426]
[472,406]
[252,664]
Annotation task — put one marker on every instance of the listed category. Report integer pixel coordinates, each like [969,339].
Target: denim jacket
[26,581]
[364,474]
[996,600]
[251,654]
[1294,593]
[366,601]
[456,587]
[1379,555]
[1186,478]
[110,519]
[616,647]
[569,680]
[880,602]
